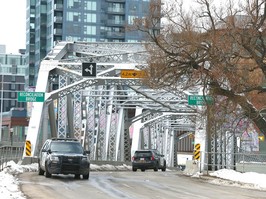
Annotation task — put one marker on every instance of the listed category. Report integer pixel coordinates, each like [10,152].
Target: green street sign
[200,100]
[31,96]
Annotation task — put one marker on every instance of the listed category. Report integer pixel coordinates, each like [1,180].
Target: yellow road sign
[133,74]
[197,152]
[261,138]
[28,148]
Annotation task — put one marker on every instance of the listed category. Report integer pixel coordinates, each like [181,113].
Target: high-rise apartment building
[12,80]
[77,20]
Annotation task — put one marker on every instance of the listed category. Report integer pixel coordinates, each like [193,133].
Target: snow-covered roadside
[9,185]
[249,180]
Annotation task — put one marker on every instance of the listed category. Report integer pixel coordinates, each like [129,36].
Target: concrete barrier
[28,160]
[192,167]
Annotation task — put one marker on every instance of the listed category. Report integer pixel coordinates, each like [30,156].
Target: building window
[131,19]
[73,3]
[90,39]
[32,2]
[13,78]
[73,16]
[13,95]
[14,69]
[13,103]
[43,9]
[73,28]
[90,5]
[90,18]
[117,19]
[13,87]
[90,30]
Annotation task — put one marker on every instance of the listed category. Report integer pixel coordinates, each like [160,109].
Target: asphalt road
[130,185]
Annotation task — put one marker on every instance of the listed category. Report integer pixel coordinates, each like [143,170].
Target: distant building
[12,79]
[77,20]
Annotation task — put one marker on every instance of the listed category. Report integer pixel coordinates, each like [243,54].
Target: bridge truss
[110,115]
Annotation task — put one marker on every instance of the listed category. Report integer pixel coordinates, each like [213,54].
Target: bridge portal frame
[65,60]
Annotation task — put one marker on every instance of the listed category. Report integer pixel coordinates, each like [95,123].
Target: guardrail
[8,153]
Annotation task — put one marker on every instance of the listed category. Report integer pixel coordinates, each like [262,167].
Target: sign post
[31,96]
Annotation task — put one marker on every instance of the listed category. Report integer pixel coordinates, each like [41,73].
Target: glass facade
[49,21]
[13,70]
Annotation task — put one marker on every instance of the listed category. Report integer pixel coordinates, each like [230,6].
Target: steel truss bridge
[110,115]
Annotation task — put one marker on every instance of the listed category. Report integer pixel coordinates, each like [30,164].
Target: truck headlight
[84,159]
[54,158]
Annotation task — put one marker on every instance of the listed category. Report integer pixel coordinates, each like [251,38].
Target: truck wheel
[47,174]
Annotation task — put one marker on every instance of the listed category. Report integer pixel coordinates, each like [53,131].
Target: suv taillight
[133,158]
[152,157]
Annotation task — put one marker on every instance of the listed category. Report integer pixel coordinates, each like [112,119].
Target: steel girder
[95,110]
[158,129]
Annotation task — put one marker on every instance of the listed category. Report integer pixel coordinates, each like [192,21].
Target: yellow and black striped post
[28,148]
[197,152]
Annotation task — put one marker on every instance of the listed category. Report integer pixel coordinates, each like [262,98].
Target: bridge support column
[136,132]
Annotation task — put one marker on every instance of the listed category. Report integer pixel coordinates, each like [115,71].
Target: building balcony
[58,31]
[111,22]
[115,35]
[58,6]
[116,1]
[58,19]
[44,23]
[111,10]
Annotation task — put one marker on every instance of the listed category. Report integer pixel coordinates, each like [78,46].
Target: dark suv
[64,156]
[148,159]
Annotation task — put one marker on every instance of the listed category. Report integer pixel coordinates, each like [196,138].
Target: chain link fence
[242,162]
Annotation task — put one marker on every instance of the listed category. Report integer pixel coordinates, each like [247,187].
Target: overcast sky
[13,24]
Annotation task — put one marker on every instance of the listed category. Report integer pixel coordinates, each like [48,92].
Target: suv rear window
[68,147]
[143,154]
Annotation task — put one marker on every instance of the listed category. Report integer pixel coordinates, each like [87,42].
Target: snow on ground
[9,184]
[250,180]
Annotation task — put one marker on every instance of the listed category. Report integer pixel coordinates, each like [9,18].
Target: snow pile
[12,168]
[248,179]
[9,186]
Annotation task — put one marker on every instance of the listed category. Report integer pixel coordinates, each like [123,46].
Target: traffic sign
[199,100]
[28,148]
[133,74]
[197,152]
[89,69]
[31,96]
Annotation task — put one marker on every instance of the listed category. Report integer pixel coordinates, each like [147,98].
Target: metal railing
[10,153]
[242,162]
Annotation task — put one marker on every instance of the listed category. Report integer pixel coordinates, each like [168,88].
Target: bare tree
[221,48]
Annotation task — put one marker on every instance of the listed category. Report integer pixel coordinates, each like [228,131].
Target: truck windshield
[67,147]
